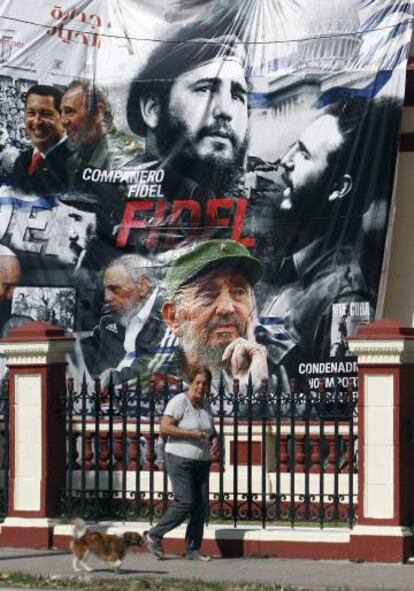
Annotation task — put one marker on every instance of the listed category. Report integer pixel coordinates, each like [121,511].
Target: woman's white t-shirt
[190,419]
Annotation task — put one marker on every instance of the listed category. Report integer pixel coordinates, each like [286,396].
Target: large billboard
[200,182]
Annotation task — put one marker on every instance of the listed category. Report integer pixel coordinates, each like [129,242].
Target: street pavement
[309,574]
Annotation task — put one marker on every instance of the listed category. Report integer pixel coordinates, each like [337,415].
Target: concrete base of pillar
[381,544]
[17,532]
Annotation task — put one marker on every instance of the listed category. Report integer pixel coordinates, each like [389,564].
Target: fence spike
[84,387]
[221,384]
[97,385]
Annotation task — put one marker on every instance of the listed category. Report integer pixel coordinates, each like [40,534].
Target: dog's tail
[79,528]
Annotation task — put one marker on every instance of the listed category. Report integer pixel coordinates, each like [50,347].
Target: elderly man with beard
[211,312]
[131,326]
[190,104]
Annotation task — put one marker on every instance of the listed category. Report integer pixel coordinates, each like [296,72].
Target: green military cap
[208,255]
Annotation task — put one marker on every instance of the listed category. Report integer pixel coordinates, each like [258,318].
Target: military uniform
[113,151]
[107,200]
[296,320]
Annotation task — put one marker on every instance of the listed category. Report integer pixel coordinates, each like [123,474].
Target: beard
[214,171]
[303,205]
[72,144]
[124,315]
[130,310]
[85,139]
[309,216]
[310,201]
[196,342]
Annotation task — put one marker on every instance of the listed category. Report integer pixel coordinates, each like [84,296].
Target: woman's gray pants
[189,479]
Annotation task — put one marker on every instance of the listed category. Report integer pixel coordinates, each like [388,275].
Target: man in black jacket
[42,169]
[131,326]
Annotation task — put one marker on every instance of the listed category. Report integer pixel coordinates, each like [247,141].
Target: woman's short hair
[201,369]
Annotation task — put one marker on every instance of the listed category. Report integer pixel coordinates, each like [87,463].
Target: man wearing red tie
[42,169]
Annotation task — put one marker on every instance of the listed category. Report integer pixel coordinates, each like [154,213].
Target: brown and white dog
[107,547]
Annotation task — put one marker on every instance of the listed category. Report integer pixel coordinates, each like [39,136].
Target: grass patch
[82,583]
[24,581]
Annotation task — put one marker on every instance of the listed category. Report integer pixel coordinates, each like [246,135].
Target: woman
[188,424]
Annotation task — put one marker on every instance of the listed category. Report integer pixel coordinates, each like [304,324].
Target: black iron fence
[283,457]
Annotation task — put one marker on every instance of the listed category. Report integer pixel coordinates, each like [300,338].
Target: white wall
[399,292]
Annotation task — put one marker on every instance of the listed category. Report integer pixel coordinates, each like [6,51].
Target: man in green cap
[211,311]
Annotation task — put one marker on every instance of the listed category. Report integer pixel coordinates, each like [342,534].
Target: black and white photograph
[192,135]
[55,305]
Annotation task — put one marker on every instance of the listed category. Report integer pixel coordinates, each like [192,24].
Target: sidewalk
[303,573]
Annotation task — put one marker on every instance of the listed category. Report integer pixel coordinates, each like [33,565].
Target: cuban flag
[385,29]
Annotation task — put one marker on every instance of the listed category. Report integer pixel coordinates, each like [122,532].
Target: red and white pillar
[385,353]
[35,355]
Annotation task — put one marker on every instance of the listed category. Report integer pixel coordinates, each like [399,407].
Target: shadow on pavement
[51,554]
[124,571]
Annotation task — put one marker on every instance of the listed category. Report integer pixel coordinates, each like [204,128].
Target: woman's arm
[168,426]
